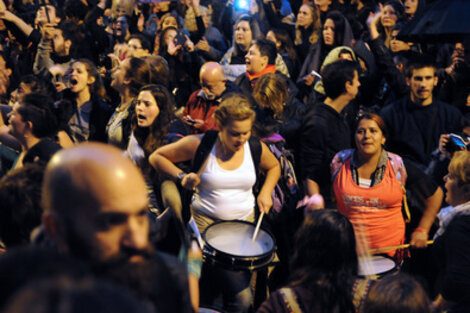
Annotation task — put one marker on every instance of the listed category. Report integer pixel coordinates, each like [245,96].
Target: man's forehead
[424,72]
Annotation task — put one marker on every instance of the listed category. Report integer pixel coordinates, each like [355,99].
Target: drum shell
[230,261]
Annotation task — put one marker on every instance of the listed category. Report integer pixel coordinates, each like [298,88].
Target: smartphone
[180,38]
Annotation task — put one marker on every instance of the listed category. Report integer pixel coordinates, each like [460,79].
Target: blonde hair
[236,107]
[271,92]
[316,27]
[127,5]
[460,166]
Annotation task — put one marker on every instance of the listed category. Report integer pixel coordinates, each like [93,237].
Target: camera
[456,143]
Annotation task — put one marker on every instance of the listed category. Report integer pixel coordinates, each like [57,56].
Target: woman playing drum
[368,184]
[223,186]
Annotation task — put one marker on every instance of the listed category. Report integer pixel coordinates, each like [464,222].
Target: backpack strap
[255,148]
[400,173]
[203,150]
[290,300]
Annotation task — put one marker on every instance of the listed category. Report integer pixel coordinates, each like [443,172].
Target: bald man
[201,104]
[95,203]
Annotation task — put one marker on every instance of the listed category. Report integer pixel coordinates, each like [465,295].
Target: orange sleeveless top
[374,212]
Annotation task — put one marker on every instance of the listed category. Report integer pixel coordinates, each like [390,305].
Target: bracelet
[421,230]
[179,177]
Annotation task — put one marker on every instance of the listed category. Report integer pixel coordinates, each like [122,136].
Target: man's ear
[408,81]
[436,80]
[52,229]
[68,43]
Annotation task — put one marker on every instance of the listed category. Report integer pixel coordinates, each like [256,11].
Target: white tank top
[226,194]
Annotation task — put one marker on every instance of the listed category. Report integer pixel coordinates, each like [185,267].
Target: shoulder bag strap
[290,300]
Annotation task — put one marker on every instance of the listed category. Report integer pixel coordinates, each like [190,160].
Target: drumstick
[257,226]
[383,249]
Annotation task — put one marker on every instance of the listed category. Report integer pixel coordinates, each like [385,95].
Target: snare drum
[228,244]
[379,265]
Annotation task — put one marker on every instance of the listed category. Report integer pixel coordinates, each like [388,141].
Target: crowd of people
[130,128]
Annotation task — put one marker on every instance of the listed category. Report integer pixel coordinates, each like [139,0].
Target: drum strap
[290,300]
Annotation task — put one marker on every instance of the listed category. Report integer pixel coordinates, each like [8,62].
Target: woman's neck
[369,160]
[126,99]
[83,97]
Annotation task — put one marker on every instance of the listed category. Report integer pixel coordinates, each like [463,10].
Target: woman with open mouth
[84,114]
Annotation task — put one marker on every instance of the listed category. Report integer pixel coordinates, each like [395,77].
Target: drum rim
[385,256]
[271,252]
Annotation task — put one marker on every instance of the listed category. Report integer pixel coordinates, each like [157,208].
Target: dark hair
[254,27]
[68,29]
[38,109]
[397,294]
[155,136]
[97,88]
[66,295]
[287,46]
[144,42]
[335,76]
[162,46]
[139,74]
[325,259]
[75,9]
[160,71]
[267,48]
[417,63]
[38,84]
[339,21]
[21,211]
[374,117]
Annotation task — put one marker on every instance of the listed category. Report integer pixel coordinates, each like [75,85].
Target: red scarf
[253,78]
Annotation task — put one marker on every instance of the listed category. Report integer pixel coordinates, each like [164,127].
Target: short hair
[144,42]
[21,210]
[417,63]
[38,84]
[75,8]
[38,109]
[235,107]
[270,91]
[460,166]
[267,48]
[335,76]
[374,117]
[399,293]
[68,29]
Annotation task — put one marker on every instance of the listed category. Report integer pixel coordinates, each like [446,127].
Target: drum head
[234,238]
[376,265]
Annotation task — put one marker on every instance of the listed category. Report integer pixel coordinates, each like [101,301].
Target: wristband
[421,230]
[179,178]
